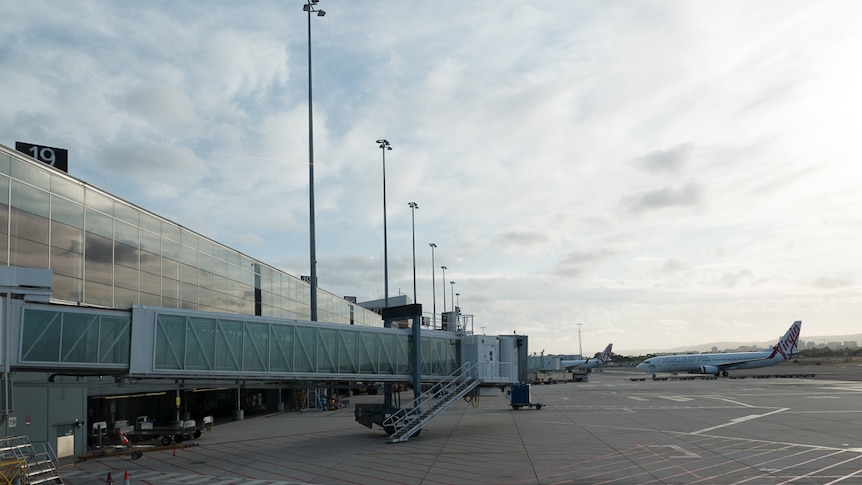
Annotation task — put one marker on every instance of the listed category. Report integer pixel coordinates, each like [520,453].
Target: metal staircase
[38,466]
[407,422]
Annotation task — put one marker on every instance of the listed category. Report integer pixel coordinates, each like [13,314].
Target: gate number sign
[55,157]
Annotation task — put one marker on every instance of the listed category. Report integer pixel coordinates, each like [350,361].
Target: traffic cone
[126,478]
[110,480]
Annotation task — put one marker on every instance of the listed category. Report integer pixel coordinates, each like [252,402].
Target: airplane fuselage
[696,362]
[721,363]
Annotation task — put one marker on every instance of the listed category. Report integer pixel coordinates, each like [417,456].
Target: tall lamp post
[444,287]
[383,144]
[417,318]
[453,295]
[413,207]
[580,348]
[309,7]
[457,299]
[433,287]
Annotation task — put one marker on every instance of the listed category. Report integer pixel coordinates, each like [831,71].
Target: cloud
[672,266]
[834,282]
[734,279]
[577,264]
[138,159]
[689,195]
[671,325]
[521,241]
[159,104]
[669,160]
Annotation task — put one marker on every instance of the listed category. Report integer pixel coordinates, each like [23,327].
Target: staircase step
[53,479]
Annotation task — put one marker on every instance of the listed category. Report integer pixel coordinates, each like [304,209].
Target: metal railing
[41,466]
[405,422]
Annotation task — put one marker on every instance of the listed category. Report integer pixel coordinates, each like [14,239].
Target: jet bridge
[167,343]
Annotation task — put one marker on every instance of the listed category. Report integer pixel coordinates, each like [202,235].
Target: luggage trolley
[519,397]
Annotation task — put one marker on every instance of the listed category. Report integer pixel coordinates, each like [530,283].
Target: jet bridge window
[74,337]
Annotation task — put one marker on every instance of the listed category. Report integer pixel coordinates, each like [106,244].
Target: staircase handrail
[43,464]
[458,376]
[415,421]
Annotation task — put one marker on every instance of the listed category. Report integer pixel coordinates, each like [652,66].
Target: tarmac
[784,424]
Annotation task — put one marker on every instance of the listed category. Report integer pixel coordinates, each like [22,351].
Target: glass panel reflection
[281,359]
[229,345]
[170,341]
[327,350]
[255,347]
[40,336]
[67,263]
[201,336]
[305,344]
[114,339]
[80,338]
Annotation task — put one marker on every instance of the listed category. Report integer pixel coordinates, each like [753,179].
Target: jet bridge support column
[238,413]
[417,357]
[403,314]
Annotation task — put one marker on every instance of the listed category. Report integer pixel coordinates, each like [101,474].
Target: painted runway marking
[740,420]
[821,470]
[677,398]
[685,453]
[638,398]
[725,399]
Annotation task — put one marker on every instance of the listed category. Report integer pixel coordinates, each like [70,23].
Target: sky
[648,173]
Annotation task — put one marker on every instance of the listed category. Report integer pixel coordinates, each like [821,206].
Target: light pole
[444,287]
[413,207]
[457,299]
[580,348]
[383,144]
[433,288]
[309,7]
[453,295]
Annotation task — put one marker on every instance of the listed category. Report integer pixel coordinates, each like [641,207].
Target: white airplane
[590,363]
[717,364]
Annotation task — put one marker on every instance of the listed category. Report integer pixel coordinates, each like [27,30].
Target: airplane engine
[708,369]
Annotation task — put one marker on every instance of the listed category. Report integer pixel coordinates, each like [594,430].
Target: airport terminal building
[110,310]
[104,251]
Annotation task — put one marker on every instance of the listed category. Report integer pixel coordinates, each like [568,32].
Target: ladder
[40,466]
[408,421]
[313,400]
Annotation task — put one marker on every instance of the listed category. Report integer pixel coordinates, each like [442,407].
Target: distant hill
[762,345]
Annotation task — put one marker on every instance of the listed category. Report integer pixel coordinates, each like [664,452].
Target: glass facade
[107,252]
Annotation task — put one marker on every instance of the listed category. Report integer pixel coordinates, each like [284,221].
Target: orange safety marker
[126,478]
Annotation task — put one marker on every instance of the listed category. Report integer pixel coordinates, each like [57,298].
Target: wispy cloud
[689,195]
